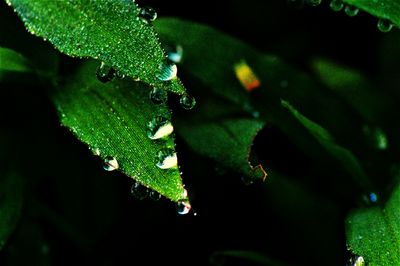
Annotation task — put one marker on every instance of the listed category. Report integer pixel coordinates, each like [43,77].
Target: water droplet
[356,261]
[110,164]
[158,96]
[119,75]
[351,11]
[384,25]
[183,207]
[373,197]
[159,127]
[168,70]
[187,102]
[166,159]
[314,2]
[105,73]
[154,195]
[139,191]
[175,54]
[148,14]
[336,5]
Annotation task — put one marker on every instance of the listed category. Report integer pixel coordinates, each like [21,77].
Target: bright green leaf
[11,61]
[10,204]
[112,119]
[386,9]
[374,233]
[110,31]
[341,154]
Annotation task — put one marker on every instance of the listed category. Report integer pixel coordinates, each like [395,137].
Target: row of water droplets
[384,25]
[159,127]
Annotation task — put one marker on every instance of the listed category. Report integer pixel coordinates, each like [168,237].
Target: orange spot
[246,76]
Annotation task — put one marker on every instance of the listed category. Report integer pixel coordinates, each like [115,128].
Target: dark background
[77,214]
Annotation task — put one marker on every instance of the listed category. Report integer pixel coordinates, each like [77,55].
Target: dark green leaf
[112,119]
[374,233]
[11,61]
[110,31]
[386,9]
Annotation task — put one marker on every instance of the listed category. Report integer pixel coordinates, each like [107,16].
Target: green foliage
[110,31]
[112,119]
[11,61]
[374,232]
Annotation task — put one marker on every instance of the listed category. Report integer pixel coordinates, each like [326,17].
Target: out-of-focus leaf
[374,233]
[112,119]
[385,9]
[111,31]
[11,61]
[10,203]
[341,154]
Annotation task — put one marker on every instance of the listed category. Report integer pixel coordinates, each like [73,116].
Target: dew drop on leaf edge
[110,164]
[167,70]
[351,11]
[336,5]
[183,207]
[105,73]
[159,127]
[148,14]
[187,102]
[166,159]
[139,191]
[384,25]
[158,96]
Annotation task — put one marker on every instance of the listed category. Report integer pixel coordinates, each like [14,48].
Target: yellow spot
[246,76]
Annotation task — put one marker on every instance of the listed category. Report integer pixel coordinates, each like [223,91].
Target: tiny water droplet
[384,25]
[373,197]
[187,102]
[120,75]
[336,5]
[110,164]
[105,73]
[159,127]
[154,195]
[314,2]
[158,96]
[351,11]
[166,159]
[139,191]
[148,14]
[183,207]
[167,71]
[175,54]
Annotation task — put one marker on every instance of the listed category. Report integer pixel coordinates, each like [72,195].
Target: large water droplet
[167,71]
[314,2]
[336,5]
[384,25]
[139,191]
[351,11]
[166,159]
[183,207]
[187,102]
[159,127]
[148,14]
[105,73]
[110,164]
[175,54]
[158,96]
[356,261]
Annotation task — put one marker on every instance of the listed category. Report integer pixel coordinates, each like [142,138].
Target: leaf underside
[112,120]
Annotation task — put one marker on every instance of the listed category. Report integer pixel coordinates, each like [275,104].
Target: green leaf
[112,119]
[11,61]
[10,204]
[374,233]
[110,31]
[386,9]
[341,154]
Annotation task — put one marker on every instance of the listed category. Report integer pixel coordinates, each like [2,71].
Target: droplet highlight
[105,73]
[158,96]
[167,71]
[314,2]
[110,164]
[166,159]
[139,191]
[336,5]
[351,11]
[373,197]
[187,102]
[384,25]
[175,54]
[159,128]
[148,14]
[356,261]
[183,207]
